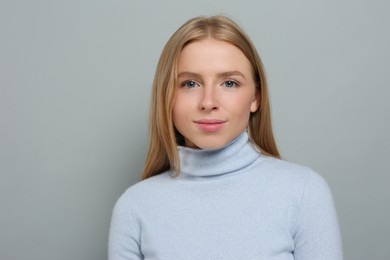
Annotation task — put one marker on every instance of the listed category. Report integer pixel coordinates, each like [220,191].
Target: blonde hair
[163,154]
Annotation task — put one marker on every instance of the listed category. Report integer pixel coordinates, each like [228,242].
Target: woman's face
[215,94]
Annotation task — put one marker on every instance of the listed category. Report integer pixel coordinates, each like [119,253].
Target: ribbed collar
[234,156]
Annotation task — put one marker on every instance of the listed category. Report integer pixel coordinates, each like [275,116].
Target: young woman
[213,185]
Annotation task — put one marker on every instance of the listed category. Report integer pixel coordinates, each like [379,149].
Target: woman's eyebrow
[187,74]
[230,73]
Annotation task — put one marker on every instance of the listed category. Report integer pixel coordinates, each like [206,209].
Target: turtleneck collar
[232,157]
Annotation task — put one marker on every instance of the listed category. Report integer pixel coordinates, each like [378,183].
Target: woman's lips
[210,125]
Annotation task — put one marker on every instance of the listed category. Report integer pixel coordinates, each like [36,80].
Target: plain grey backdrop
[75,83]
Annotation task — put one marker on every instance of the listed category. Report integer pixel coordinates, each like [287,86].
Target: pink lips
[210,125]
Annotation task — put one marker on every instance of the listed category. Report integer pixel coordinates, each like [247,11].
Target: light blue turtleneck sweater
[228,203]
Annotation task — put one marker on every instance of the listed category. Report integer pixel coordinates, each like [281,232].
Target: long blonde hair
[163,154]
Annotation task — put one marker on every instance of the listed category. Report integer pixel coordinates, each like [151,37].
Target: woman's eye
[230,84]
[189,84]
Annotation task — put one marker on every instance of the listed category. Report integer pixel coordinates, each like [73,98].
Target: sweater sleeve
[317,235]
[124,238]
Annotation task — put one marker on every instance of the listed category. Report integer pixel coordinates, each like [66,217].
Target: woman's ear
[255,102]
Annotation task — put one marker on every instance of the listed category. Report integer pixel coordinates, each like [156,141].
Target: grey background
[75,82]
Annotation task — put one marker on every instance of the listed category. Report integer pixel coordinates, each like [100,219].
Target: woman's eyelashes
[231,84]
[226,83]
[189,84]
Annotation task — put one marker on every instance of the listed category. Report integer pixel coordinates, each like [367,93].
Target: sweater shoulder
[139,191]
[288,168]
[292,175]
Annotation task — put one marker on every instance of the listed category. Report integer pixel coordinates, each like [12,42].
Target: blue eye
[189,84]
[230,84]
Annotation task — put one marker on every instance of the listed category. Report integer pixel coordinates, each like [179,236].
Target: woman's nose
[209,99]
